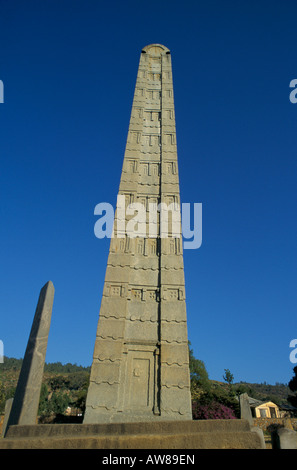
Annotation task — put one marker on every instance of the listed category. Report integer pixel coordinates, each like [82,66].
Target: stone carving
[140,368]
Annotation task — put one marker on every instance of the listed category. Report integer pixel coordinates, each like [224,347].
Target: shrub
[213,410]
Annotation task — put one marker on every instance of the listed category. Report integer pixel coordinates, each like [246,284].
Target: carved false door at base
[141,384]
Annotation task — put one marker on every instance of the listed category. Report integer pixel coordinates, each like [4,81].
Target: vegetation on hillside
[66,386]
[213,399]
[63,386]
[293,389]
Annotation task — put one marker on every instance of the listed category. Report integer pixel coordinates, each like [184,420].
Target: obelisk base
[206,434]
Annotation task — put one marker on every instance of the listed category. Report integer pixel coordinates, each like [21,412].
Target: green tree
[198,372]
[81,393]
[78,380]
[43,401]
[81,400]
[228,377]
[59,402]
[59,382]
[243,388]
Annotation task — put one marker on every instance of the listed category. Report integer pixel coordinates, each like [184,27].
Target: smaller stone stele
[245,409]
[8,405]
[26,400]
[284,438]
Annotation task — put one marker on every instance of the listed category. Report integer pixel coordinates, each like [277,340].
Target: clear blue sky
[69,71]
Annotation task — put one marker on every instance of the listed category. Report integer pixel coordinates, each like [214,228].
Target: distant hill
[277,393]
[10,363]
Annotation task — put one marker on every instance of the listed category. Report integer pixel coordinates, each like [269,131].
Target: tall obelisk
[140,369]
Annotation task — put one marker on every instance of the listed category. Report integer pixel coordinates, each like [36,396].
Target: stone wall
[263,423]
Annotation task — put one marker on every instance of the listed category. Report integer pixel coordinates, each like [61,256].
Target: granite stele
[139,393]
[140,370]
